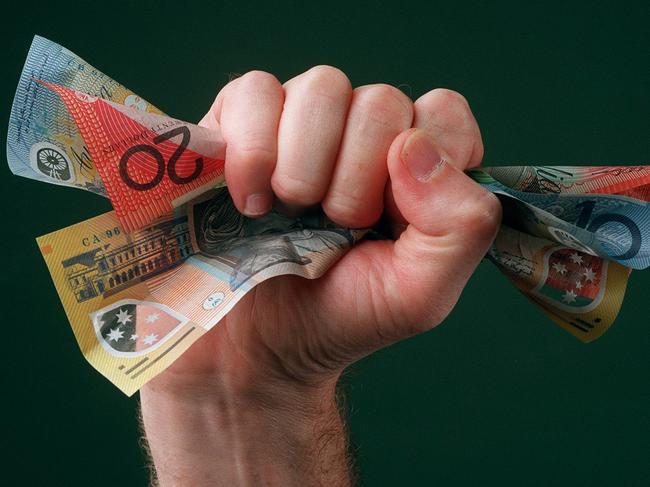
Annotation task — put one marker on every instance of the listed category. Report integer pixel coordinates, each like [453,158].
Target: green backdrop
[497,395]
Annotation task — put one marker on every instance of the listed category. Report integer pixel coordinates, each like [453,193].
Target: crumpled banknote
[141,283]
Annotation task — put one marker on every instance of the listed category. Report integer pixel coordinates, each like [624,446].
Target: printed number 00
[160,161]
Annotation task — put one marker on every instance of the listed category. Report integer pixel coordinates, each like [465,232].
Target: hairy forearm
[210,436]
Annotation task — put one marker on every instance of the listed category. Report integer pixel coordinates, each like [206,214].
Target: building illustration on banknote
[106,270]
[220,234]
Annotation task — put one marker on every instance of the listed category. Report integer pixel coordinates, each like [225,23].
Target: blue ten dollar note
[610,226]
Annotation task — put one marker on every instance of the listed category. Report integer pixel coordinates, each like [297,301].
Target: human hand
[359,154]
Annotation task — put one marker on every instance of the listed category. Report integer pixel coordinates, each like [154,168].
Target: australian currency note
[141,283]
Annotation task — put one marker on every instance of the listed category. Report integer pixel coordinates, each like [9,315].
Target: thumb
[451,223]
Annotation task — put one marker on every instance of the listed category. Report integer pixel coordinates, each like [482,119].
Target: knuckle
[384,99]
[446,103]
[327,80]
[351,210]
[259,85]
[295,191]
[479,150]
[255,150]
[257,79]
[450,97]
[480,216]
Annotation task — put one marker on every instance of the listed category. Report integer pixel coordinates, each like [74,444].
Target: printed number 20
[160,161]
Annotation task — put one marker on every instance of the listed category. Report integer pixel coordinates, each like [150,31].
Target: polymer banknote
[579,291]
[609,225]
[137,300]
[147,171]
[141,283]
[148,163]
[632,181]
[43,140]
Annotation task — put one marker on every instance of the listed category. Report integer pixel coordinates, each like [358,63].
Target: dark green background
[498,395]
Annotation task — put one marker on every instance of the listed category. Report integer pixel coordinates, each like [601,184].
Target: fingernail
[420,156]
[257,204]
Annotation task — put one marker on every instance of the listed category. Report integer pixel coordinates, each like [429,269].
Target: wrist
[224,433]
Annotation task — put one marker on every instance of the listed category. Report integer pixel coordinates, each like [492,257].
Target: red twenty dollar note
[149,163]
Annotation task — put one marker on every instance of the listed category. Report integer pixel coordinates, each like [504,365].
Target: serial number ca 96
[98,238]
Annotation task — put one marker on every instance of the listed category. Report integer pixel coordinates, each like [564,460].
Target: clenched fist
[253,402]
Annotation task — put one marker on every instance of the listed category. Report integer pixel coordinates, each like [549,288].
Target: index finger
[447,117]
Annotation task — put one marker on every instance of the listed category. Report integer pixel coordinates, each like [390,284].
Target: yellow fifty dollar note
[137,301]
